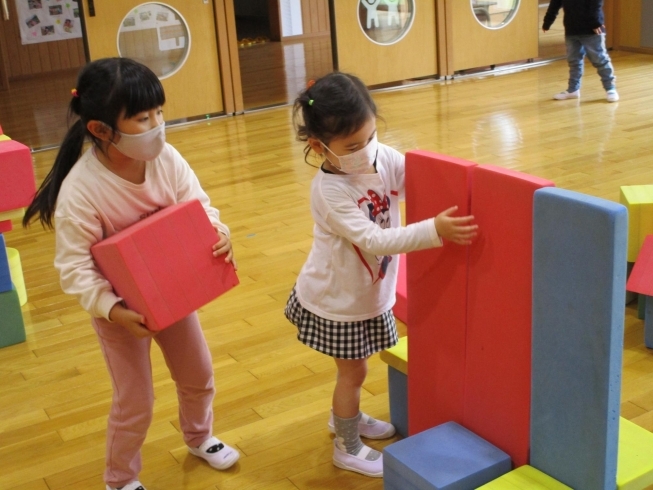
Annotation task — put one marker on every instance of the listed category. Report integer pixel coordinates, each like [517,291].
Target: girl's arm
[78,273]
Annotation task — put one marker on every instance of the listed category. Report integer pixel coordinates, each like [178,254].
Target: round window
[494,14]
[386,21]
[156,35]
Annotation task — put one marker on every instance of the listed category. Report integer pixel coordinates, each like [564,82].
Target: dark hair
[336,105]
[105,88]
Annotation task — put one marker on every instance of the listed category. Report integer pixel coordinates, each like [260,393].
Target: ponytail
[45,199]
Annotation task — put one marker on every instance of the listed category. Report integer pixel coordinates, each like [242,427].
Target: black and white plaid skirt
[344,340]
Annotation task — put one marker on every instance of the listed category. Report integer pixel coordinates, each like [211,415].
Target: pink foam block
[163,266]
[17,187]
[437,288]
[641,277]
[400,309]
[498,369]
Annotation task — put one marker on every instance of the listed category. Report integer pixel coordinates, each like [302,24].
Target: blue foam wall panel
[579,278]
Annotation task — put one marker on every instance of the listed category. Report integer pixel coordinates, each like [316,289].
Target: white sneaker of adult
[377,429]
[612,95]
[216,453]
[358,463]
[567,95]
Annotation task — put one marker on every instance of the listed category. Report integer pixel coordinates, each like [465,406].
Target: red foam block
[1,130]
[641,277]
[6,226]
[498,370]
[437,288]
[17,187]
[163,266]
[400,309]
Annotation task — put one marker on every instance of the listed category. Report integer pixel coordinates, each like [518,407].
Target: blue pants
[594,46]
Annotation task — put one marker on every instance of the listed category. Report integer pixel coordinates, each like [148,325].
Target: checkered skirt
[343,340]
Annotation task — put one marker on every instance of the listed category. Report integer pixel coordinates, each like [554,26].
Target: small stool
[445,457]
[635,458]
[397,360]
[525,478]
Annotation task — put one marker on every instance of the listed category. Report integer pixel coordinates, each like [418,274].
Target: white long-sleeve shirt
[94,204]
[351,270]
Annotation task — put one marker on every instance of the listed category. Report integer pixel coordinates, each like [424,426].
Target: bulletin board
[43,21]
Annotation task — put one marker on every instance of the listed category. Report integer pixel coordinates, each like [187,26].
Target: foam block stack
[498,349]
[437,288]
[579,277]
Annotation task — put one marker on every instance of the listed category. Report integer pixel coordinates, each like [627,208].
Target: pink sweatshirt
[95,203]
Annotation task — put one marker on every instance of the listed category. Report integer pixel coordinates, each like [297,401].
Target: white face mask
[143,146]
[358,162]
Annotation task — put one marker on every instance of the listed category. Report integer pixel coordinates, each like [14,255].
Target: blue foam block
[446,457]
[579,277]
[12,328]
[398,392]
[5,276]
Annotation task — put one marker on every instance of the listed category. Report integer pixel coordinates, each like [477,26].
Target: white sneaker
[358,463]
[216,453]
[612,95]
[135,485]
[567,95]
[376,430]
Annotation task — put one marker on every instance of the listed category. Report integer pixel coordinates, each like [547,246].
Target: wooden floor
[273,393]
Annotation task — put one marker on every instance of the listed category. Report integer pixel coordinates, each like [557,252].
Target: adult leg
[128,362]
[189,360]
[600,59]
[575,56]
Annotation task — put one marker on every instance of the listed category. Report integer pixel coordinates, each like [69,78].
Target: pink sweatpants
[128,361]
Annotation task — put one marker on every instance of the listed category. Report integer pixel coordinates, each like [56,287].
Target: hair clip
[74,93]
[310,102]
[310,83]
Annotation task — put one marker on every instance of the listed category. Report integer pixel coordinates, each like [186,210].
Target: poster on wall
[42,21]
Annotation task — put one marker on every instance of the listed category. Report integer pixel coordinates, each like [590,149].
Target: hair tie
[310,83]
[74,93]
[310,102]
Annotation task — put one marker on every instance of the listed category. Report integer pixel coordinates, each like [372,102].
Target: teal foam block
[12,328]
[398,393]
[579,277]
[648,323]
[5,275]
[446,457]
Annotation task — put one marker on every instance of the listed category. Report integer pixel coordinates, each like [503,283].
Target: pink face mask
[358,162]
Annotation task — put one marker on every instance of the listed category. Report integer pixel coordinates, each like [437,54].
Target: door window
[157,36]
[385,21]
[494,14]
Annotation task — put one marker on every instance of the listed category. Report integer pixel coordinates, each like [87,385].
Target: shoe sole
[387,435]
[356,470]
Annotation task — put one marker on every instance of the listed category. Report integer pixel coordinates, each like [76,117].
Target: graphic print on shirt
[378,210]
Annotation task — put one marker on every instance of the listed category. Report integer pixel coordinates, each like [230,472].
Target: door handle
[91,8]
[5,10]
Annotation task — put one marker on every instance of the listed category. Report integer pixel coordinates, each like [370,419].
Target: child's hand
[456,229]
[133,322]
[224,246]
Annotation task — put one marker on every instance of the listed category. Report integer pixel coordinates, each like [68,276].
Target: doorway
[40,61]
[282,44]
